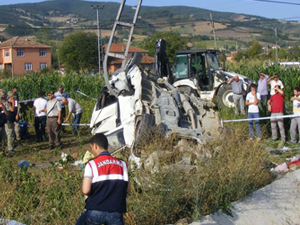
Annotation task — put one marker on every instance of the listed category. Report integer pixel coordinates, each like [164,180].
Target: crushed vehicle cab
[145,101]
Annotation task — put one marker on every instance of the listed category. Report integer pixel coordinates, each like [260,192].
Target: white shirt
[273,83]
[296,107]
[39,104]
[252,108]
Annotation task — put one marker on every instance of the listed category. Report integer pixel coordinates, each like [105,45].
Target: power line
[277,2]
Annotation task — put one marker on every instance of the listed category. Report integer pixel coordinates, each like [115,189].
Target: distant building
[21,55]
[115,63]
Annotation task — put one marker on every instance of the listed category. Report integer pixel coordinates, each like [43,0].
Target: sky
[265,9]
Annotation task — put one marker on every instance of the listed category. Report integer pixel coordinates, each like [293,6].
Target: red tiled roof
[22,43]
[120,48]
[145,60]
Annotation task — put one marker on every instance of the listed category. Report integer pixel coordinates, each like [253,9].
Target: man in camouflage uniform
[11,118]
[3,113]
[17,118]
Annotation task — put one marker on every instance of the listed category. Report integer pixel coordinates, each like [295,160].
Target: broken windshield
[212,61]
[181,67]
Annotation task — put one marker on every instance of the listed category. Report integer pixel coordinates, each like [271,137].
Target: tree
[174,43]
[79,51]
[255,49]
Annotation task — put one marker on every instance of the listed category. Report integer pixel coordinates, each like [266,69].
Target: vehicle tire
[225,96]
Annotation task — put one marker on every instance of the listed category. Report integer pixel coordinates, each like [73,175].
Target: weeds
[236,168]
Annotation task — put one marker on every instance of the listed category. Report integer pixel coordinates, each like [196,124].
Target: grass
[227,169]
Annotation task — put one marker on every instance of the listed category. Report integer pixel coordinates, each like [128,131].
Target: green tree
[174,43]
[79,51]
[255,49]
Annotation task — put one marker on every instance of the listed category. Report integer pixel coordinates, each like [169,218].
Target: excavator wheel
[225,96]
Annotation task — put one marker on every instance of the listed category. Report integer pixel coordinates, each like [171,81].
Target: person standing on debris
[296,120]
[252,101]
[274,81]
[76,110]
[53,120]
[238,91]
[59,95]
[40,109]
[106,185]
[262,88]
[276,107]
[11,118]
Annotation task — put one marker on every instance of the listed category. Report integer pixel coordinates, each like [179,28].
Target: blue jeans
[75,122]
[250,116]
[94,217]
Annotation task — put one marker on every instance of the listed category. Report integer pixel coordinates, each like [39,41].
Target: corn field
[30,85]
[251,68]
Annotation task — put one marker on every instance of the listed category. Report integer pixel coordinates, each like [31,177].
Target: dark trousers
[40,125]
[53,131]
[62,118]
[100,217]
[75,122]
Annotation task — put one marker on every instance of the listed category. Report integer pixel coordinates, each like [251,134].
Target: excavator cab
[197,64]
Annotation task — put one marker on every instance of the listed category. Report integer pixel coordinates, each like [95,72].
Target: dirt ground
[40,155]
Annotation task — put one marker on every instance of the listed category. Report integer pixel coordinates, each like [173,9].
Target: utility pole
[276,35]
[97,7]
[213,27]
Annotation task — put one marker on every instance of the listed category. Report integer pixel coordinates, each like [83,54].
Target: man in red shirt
[276,107]
[106,184]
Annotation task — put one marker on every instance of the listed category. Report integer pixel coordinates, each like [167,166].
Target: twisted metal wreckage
[134,100]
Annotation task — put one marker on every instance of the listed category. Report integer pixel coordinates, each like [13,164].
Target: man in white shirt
[296,120]
[75,109]
[274,81]
[252,101]
[40,105]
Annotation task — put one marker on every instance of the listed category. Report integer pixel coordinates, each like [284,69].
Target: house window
[42,52]
[20,52]
[28,66]
[6,53]
[43,66]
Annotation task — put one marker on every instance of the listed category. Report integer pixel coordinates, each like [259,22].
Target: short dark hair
[253,85]
[297,89]
[41,93]
[100,140]
[15,87]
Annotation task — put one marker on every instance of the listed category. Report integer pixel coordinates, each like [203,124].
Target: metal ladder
[120,56]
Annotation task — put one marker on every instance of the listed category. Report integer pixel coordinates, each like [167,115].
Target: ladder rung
[116,55]
[124,24]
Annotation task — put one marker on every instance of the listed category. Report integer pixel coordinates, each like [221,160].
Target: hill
[54,19]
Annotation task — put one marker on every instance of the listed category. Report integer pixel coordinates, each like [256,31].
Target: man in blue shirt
[59,95]
[262,88]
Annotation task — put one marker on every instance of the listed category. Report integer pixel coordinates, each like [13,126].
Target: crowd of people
[258,98]
[50,113]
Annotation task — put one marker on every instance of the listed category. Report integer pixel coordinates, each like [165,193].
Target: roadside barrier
[260,118]
[79,92]
[80,124]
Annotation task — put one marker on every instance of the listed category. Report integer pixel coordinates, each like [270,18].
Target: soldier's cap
[10,94]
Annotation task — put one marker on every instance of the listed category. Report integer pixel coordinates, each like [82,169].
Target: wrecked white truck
[134,100]
[144,101]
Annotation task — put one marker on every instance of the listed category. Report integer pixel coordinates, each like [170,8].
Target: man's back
[109,184]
